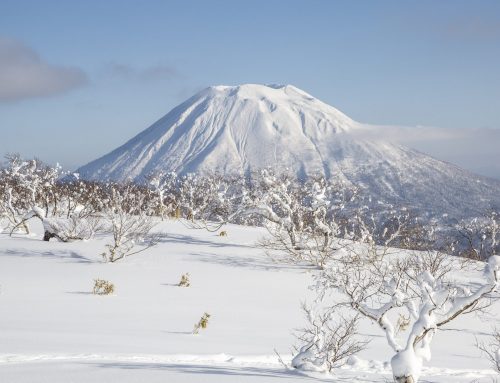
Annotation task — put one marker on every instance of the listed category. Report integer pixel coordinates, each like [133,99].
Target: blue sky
[101,71]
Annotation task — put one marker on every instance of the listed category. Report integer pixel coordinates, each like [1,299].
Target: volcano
[240,129]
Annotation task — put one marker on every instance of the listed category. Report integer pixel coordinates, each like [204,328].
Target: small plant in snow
[328,341]
[202,323]
[103,287]
[184,282]
[223,234]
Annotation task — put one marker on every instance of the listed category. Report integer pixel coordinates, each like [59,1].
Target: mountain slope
[238,129]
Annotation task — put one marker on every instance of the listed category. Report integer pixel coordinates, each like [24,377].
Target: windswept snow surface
[239,129]
[52,329]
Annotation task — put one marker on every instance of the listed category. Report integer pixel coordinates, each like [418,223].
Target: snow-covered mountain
[238,129]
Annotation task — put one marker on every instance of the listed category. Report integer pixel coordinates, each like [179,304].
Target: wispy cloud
[472,149]
[24,74]
[405,134]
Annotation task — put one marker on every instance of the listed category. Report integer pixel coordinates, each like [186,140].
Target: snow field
[52,329]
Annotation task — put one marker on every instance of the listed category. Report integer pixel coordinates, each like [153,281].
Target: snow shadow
[178,332]
[187,239]
[64,255]
[236,371]
[80,292]
[468,331]
[264,263]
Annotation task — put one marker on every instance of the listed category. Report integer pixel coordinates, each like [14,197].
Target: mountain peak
[259,91]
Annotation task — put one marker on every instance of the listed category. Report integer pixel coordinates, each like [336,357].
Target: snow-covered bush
[72,228]
[128,223]
[195,197]
[304,220]
[479,238]
[325,227]
[211,197]
[376,283]
[79,198]
[32,189]
[165,193]
[198,195]
[328,341]
[276,200]
[26,184]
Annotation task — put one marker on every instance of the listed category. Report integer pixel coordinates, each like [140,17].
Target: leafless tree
[329,339]
[164,188]
[129,224]
[480,237]
[305,221]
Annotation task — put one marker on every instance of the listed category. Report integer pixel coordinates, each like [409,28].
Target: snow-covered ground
[53,329]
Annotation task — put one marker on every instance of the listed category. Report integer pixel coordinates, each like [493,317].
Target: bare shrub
[202,323]
[73,228]
[184,282]
[129,224]
[305,221]
[492,349]
[328,341]
[129,233]
[103,287]
[480,237]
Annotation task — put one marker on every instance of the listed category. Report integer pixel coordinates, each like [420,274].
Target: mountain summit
[239,129]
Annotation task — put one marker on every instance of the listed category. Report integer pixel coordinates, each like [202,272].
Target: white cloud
[23,74]
[476,150]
